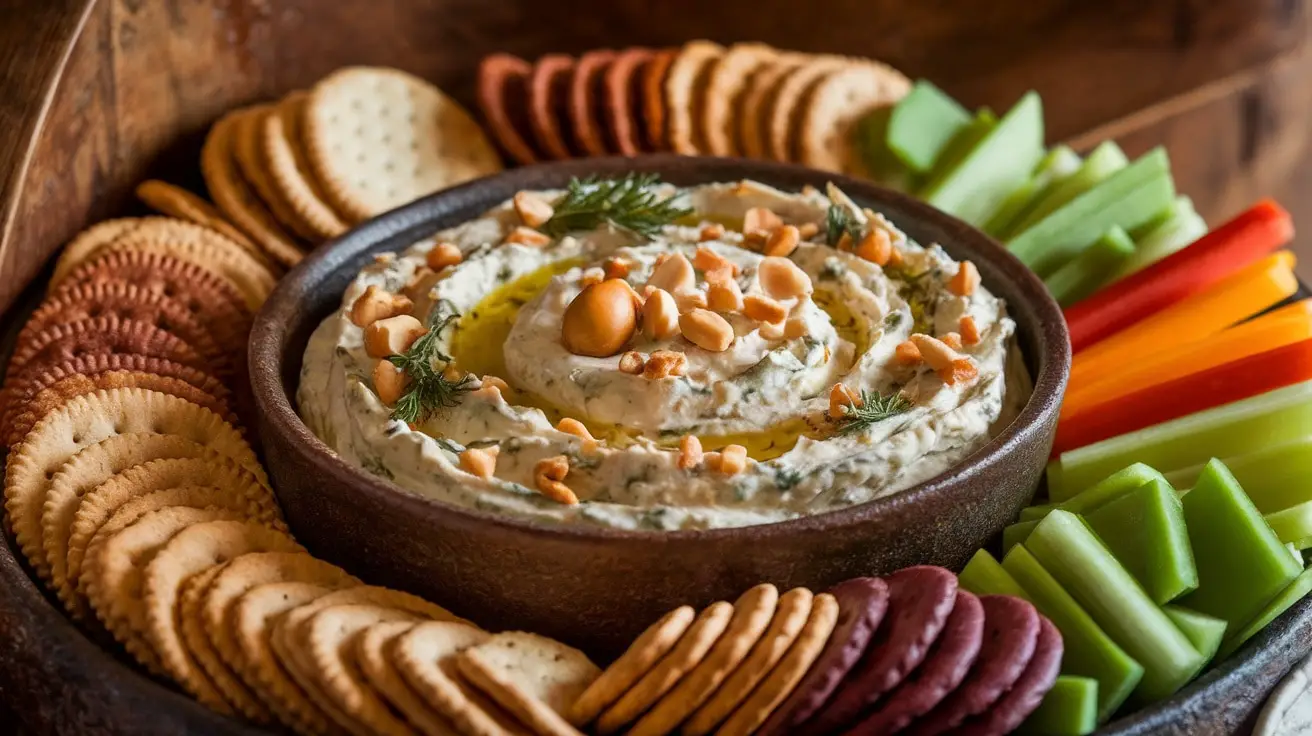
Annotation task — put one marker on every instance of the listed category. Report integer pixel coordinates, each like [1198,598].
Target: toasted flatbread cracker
[284,152]
[642,654]
[655,107]
[833,107]
[728,80]
[783,116]
[685,94]
[175,201]
[372,648]
[192,632]
[531,676]
[548,102]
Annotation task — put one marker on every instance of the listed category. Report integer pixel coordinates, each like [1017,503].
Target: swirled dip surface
[768,392]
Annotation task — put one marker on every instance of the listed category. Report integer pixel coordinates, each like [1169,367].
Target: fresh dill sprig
[428,390]
[628,202]
[839,221]
[872,408]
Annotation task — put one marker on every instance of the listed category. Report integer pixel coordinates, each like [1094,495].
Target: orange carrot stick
[1286,325]
[1229,301]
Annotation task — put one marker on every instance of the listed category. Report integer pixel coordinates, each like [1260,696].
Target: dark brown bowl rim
[274,402]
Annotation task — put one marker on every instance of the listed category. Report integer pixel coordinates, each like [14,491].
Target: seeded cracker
[685,94]
[753,119]
[831,109]
[379,138]
[503,98]
[372,649]
[284,152]
[642,654]
[248,152]
[531,676]
[584,102]
[234,691]
[426,658]
[548,92]
[728,80]
[784,113]
[691,649]
[175,201]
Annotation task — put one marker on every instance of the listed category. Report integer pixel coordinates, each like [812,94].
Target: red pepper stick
[1257,231]
[1226,383]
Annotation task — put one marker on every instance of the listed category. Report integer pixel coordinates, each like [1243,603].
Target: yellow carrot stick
[1284,326]
[1229,301]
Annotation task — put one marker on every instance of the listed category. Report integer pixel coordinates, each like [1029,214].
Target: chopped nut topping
[733,460]
[591,276]
[845,243]
[443,255]
[673,274]
[780,278]
[600,320]
[764,309]
[660,316]
[690,300]
[690,452]
[375,304]
[532,209]
[782,241]
[952,340]
[480,461]
[616,268]
[552,468]
[707,330]
[951,366]
[875,247]
[724,296]
[969,330]
[808,230]
[965,281]
[841,397]
[795,328]
[895,258]
[708,260]
[771,330]
[761,220]
[664,364]
[389,382]
[569,425]
[713,231]
[392,336]
[907,353]
[632,362]
[528,237]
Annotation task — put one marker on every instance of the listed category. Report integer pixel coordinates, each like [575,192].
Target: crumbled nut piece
[808,230]
[383,259]
[952,340]
[375,304]
[712,231]
[443,255]
[907,353]
[755,240]
[724,296]
[782,241]
[761,220]
[690,300]
[492,388]
[616,268]
[708,260]
[660,316]
[845,243]
[771,330]
[895,258]
[480,462]
[591,276]
[733,460]
[632,362]
[664,364]
[764,309]
[500,384]
[392,336]
[711,461]
[969,330]
[690,452]
[951,366]
[673,274]
[707,330]
[965,281]
[570,425]
[552,468]
[780,278]
[600,320]
[840,398]
[532,209]
[795,328]
[875,247]
[389,382]
[527,236]
[555,490]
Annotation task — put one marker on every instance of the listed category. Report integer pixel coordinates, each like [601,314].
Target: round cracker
[753,121]
[691,649]
[623,99]
[788,672]
[584,108]
[426,658]
[532,677]
[685,94]
[752,613]
[252,279]
[825,130]
[729,77]
[85,421]
[380,138]
[86,242]
[114,576]
[642,654]
[190,552]
[248,152]
[232,689]
[233,196]
[791,615]
[284,152]
[1024,697]
[253,618]
[372,649]
[175,201]
[548,95]
[503,97]
[655,107]
[81,474]
[784,113]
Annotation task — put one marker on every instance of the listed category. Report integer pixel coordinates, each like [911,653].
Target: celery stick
[1016,533]
[1203,631]
[1296,553]
[1060,163]
[999,164]
[1240,427]
[1144,530]
[1089,651]
[1089,271]
[984,576]
[1183,227]
[1241,563]
[882,166]
[1274,477]
[962,144]
[1293,593]
[922,125]
[1068,709]
[1105,160]
[1065,547]
[1293,525]
[1129,198]
[1036,512]
[1084,499]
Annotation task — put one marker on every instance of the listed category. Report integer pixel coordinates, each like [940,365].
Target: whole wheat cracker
[233,196]
[785,105]
[372,649]
[788,672]
[753,122]
[729,78]
[645,651]
[533,677]
[791,614]
[691,649]
[228,684]
[284,152]
[425,656]
[248,152]
[685,94]
[833,107]
[752,613]
[379,138]
[174,201]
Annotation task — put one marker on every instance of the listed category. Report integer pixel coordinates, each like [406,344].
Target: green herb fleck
[873,408]
[428,390]
[628,202]
[786,478]
[839,221]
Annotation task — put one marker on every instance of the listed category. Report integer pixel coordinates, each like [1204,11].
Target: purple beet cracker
[919,602]
[861,606]
[1023,697]
[1011,633]
[946,665]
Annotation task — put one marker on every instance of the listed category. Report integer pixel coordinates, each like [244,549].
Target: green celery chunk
[1077,559]
[1274,477]
[1295,552]
[1144,529]
[881,165]
[1293,525]
[998,165]
[1089,652]
[1083,499]
[1016,534]
[1059,163]
[984,576]
[1242,564]
[1036,512]
[1091,270]
[961,144]
[1182,227]
[1128,198]
[1240,427]
[1070,708]
[922,125]
[1296,591]
[1103,161]
[1203,631]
